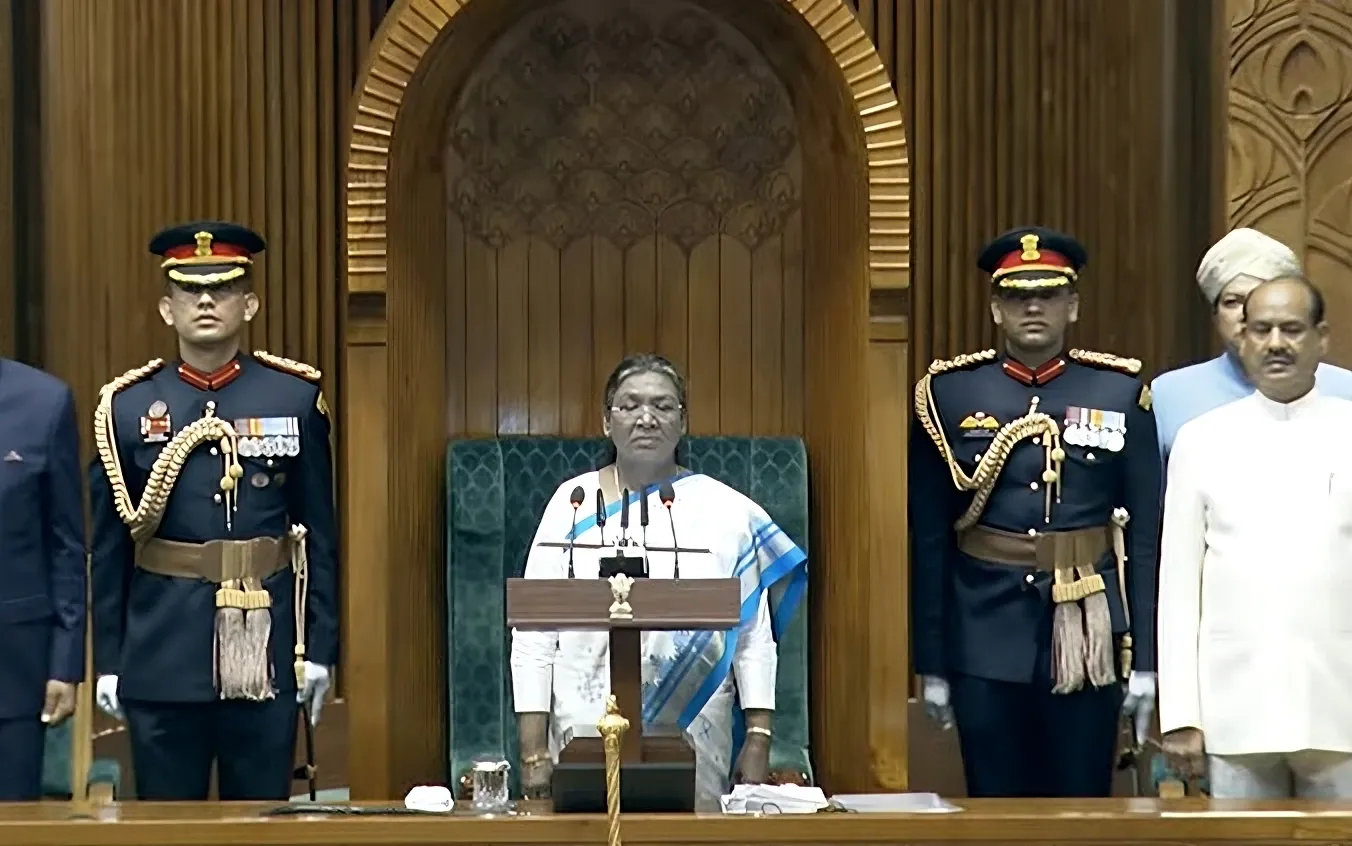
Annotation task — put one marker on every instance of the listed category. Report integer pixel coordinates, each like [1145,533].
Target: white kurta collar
[1292,410]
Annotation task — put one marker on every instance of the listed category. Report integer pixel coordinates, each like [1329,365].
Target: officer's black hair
[1317,305]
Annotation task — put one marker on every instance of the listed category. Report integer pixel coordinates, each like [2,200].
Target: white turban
[1244,252]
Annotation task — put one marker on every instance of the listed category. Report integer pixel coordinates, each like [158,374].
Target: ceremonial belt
[216,561]
[243,626]
[1081,625]
[1047,551]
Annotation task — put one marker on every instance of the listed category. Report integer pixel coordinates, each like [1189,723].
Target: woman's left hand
[753,765]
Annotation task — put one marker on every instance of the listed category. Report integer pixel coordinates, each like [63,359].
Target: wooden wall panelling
[10,289]
[1087,115]
[560,263]
[1289,171]
[404,97]
[154,113]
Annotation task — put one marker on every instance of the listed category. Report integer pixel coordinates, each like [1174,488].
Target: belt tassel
[243,629]
[1082,631]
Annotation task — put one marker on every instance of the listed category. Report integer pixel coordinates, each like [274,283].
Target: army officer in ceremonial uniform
[214,569]
[1035,497]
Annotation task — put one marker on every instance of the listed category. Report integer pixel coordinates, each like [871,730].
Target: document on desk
[894,803]
[773,799]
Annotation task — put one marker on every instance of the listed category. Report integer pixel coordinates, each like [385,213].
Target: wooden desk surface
[1102,822]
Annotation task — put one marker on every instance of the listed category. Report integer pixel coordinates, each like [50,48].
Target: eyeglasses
[662,409]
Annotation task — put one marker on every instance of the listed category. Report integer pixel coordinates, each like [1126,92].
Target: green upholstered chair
[56,765]
[496,492]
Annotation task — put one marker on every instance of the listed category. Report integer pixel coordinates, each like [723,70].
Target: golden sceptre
[612,727]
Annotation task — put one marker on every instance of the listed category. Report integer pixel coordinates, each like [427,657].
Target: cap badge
[203,243]
[1030,252]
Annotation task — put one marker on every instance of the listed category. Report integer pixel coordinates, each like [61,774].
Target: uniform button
[978,456]
[1033,486]
[1088,456]
[269,462]
[211,404]
[1032,533]
[1037,399]
[1028,578]
[215,451]
[1037,440]
[217,497]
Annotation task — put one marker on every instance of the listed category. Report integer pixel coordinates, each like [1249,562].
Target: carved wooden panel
[623,177]
[1290,136]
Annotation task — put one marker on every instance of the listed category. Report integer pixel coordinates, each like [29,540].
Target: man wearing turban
[1237,264]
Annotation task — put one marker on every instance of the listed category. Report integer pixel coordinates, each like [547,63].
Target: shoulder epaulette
[1107,361]
[131,377]
[288,365]
[961,362]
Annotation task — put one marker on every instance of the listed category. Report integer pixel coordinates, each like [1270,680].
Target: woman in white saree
[717,688]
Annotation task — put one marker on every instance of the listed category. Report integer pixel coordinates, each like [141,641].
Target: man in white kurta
[693,682]
[1255,605]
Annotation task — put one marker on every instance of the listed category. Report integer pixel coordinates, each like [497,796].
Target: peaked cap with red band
[217,252]
[1033,257]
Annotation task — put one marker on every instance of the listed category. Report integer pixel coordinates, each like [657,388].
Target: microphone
[601,515]
[575,498]
[624,517]
[667,494]
[643,522]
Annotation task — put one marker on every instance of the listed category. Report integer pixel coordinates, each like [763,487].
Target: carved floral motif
[587,121]
[1290,148]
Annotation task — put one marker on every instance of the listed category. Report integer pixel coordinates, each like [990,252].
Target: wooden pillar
[1091,116]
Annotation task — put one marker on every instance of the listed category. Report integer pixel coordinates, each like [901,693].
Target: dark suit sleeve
[312,506]
[63,515]
[1143,500]
[111,562]
[932,502]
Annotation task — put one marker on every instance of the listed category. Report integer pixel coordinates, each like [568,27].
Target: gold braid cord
[143,519]
[988,469]
[288,365]
[300,566]
[612,727]
[1108,361]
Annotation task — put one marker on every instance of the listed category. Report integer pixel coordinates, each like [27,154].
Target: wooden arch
[856,201]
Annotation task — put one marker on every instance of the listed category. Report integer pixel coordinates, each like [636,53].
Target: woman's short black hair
[632,365]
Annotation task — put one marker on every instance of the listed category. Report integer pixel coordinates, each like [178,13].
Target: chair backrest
[496,492]
[57,754]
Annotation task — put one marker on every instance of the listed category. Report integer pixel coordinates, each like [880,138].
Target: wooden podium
[626,608]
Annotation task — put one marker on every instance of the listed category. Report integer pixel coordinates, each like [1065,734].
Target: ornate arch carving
[412,26]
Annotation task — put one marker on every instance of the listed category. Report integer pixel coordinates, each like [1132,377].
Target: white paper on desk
[773,799]
[895,803]
[429,797]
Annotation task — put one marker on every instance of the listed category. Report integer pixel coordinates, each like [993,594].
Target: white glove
[937,705]
[105,694]
[312,692]
[1139,703]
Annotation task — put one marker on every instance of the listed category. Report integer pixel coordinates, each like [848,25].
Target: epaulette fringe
[1129,366]
[288,365]
[131,377]
[961,362]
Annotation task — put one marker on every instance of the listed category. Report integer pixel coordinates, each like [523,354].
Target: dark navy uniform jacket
[156,633]
[42,539]
[992,620]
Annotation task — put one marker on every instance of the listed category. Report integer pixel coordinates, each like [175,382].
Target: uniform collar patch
[1027,375]
[212,381]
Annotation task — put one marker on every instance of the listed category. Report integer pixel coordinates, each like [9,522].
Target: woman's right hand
[537,776]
